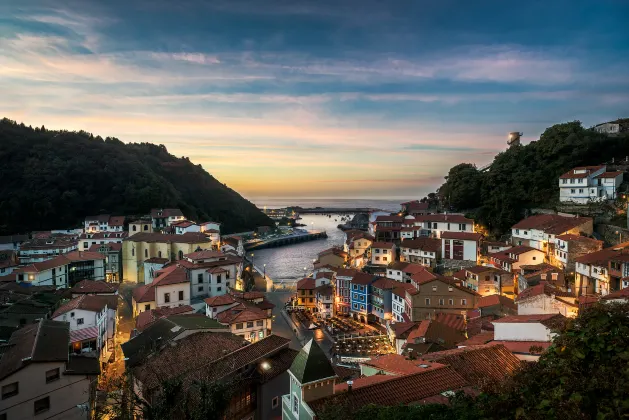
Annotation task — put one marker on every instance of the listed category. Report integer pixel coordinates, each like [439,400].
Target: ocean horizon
[383,204]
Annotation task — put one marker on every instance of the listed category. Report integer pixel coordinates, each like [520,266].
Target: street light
[264,275]
[619,233]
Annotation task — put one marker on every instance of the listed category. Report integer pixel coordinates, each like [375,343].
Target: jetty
[335,210]
[293,238]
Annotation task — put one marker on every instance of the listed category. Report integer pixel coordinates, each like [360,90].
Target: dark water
[287,263]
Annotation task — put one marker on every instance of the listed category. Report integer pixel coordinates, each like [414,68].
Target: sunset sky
[291,98]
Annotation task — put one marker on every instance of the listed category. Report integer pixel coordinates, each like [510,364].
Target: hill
[53,179]
[527,176]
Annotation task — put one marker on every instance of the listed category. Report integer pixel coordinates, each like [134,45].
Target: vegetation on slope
[527,176]
[583,375]
[53,179]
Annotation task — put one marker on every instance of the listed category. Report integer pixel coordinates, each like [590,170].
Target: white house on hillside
[589,183]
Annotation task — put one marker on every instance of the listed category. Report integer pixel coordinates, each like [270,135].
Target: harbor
[297,236]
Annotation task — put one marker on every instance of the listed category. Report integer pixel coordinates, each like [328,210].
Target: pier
[285,239]
[337,210]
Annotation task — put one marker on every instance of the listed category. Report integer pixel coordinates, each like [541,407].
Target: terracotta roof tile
[221,300]
[307,283]
[543,288]
[478,339]
[588,171]
[363,279]
[491,300]
[94,287]
[544,319]
[382,245]
[241,313]
[463,236]
[551,223]
[186,238]
[85,302]
[619,294]
[146,318]
[422,244]
[522,347]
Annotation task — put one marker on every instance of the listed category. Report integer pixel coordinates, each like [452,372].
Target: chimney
[349,386]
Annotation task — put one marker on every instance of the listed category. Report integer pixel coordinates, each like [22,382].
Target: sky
[294,98]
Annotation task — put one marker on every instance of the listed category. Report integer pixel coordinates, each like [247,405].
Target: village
[421,300]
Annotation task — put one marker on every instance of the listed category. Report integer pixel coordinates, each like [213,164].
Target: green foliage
[527,176]
[584,375]
[53,179]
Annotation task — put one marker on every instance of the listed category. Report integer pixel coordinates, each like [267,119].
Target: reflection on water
[288,262]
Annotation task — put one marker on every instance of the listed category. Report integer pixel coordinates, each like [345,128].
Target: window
[441,302]
[377,258]
[462,226]
[181,255]
[146,253]
[310,300]
[377,251]
[219,289]
[42,405]
[239,326]
[181,295]
[219,279]
[133,252]
[79,321]
[427,301]
[146,227]
[134,228]
[451,302]
[166,297]
[362,307]
[295,405]
[10,390]
[200,288]
[275,402]
[434,288]
[384,258]
[259,323]
[581,190]
[463,301]
[147,307]
[200,278]
[52,375]
[572,191]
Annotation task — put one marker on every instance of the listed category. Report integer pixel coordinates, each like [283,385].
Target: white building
[171,288]
[325,300]
[401,302]
[526,336]
[86,240]
[589,183]
[104,223]
[185,226]
[604,271]
[89,319]
[42,249]
[511,259]
[611,127]
[162,218]
[383,253]
[212,273]
[438,223]
[541,230]
[424,251]
[545,299]
[402,271]
[64,270]
[463,246]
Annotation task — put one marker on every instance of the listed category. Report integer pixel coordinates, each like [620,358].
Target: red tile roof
[186,238]
[462,236]
[204,254]
[619,252]
[307,283]
[409,268]
[362,381]
[401,328]
[156,260]
[166,213]
[144,293]
[346,272]
[613,174]
[452,218]
[423,277]
[454,321]
[479,365]
[116,221]
[405,389]
[571,237]
[241,313]
[362,278]
[401,289]
[94,287]
[398,364]
[390,218]
[492,300]
[146,318]
[543,288]
[551,223]
[619,294]
[111,246]
[478,339]
[419,332]
[422,244]
[221,300]
[385,283]
[84,302]
[172,274]
[588,171]
[544,319]
[382,245]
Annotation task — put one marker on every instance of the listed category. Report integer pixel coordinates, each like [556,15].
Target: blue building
[382,299]
[360,292]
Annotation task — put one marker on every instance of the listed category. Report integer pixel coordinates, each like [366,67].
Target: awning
[83,334]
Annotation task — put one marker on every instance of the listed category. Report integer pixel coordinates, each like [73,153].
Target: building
[612,127]
[162,218]
[334,257]
[496,305]
[360,296]
[113,260]
[387,228]
[244,320]
[170,288]
[403,271]
[38,250]
[604,271]
[460,246]
[541,230]
[441,295]
[147,318]
[212,273]
[8,262]
[381,298]
[568,247]
[63,271]
[305,298]
[356,245]
[344,278]
[589,183]
[401,302]
[314,386]
[424,251]
[511,259]
[490,247]
[87,240]
[92,326]
[415,208]
[184,226]
[429,336]
[546,299]
[438,223]
[234,243]
[324,295]
[138,248]
[39,378]
[486,280]
[140,226]
[93,287]
[527,336]
[383,253]
[256,371]
[12,242]
[104,223]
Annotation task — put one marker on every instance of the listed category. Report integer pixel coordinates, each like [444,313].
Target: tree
[462,187]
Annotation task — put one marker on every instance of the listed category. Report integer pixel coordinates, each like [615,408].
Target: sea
[292,262]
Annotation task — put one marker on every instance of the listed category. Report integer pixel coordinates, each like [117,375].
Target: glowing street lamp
[264,275]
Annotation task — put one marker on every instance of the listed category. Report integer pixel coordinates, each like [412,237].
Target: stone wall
[609,235]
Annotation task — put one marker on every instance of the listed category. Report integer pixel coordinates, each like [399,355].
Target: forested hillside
[53,179]
[527,176]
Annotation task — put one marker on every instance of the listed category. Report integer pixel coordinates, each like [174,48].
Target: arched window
[159,254]
[181,255]
[135,228]
[146,227]
[146,253]
[133,252]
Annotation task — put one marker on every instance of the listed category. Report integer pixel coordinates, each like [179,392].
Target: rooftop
[311,364]
[553,224]
[186,238]
[581,172]
[422,244]
[462,236]
[94,287]
[548,320]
